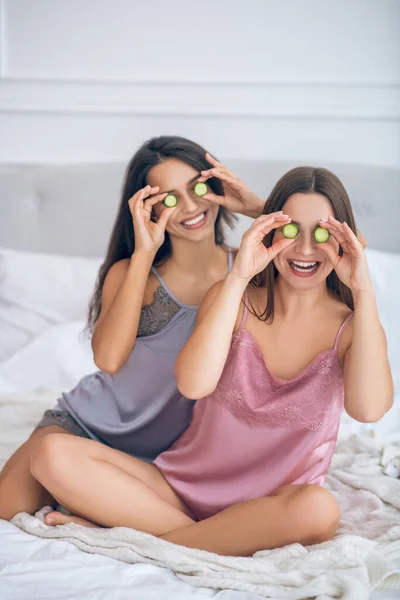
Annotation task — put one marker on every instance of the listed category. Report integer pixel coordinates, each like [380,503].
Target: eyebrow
[299,224]
[188,183]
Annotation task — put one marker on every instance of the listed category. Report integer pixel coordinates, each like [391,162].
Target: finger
[345,236]
[153,190]
[263,228]
[278,213]
[352,238]
[204,178]
[278,216]
[268,223]
[139,196]
[150,202]
[165,216]
[338,226]
[330,222]
[214,170]
[333,256]
[335,229]
[221,173]
[148,190]
[279,246]
[212,160]
[138,221]
[336,236]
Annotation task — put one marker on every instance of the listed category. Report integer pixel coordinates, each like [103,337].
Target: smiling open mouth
[300,267]
[196,222]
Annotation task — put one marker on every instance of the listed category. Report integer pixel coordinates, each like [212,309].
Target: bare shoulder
[114,278]
[115,275]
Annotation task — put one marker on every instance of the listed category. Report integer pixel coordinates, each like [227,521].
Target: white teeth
[303,264]
[308,270]
[303,267]
[194,221]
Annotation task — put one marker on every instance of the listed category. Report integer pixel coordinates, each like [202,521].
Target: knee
[317,511]
[48,455]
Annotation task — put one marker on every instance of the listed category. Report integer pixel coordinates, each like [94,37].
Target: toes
[56,518]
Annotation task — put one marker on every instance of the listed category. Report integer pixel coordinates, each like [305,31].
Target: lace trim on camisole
[274,402]
[311,400]
[155,316]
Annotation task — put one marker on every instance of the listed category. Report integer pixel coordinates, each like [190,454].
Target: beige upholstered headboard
[70,209]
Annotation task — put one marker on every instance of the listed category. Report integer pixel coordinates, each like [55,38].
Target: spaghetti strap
[160,279]
[339,333]
[245,312]
[170,294]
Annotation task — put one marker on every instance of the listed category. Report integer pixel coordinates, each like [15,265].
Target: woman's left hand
[238,197]
[352,266]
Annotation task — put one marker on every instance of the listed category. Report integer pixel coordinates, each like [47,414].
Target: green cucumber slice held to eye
[321,235]
[170,201]
[200,189]
[290,230]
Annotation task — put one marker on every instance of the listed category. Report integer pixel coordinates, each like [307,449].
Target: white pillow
[57,358]
[41,290]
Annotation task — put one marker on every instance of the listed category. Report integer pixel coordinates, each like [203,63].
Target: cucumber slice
[321,235]
[290,230]
[200,189]
[171,200]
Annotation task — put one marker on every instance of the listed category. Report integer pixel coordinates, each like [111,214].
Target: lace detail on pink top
[311,400]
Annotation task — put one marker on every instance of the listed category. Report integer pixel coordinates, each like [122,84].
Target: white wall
[89,80]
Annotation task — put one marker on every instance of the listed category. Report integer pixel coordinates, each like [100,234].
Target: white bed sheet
[32,567]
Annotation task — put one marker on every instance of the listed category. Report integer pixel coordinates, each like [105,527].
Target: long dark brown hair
[305,180]
[122,239]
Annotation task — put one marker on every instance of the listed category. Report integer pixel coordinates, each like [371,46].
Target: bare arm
[122,299]
[201,361]
[367,377]
[123,290]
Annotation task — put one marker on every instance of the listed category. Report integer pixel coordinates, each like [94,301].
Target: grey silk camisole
[139,410]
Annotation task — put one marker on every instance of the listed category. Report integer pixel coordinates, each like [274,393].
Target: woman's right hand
[253,257]
[149,234]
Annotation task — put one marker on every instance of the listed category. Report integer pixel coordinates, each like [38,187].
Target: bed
[54,227]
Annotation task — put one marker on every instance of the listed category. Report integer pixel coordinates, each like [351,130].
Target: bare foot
[58,518]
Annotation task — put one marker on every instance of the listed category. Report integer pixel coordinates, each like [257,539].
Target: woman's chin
[301,280]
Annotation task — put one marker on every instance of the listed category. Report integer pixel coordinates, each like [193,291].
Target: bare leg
[106,486]
[19,491]
[306,514]
[113,489]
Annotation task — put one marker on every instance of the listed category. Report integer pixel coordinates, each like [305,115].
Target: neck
[195,257]
[292,303]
